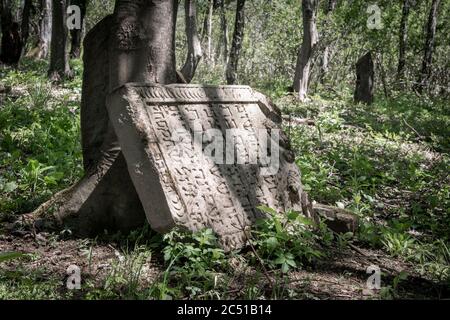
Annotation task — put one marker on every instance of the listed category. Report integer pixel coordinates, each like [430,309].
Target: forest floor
[388,163]
[107,271]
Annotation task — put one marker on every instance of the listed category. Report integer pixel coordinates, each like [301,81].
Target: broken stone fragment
[337,219]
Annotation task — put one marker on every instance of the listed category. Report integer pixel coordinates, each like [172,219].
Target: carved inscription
[205,186]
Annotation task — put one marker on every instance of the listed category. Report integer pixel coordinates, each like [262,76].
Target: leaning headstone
[205,156]
[365,79]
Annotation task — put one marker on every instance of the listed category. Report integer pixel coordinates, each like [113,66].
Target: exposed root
[42,212]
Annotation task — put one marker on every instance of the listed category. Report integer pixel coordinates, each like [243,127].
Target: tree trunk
[380,64]
[11,43]
[365,79]
[59,60]
[44,34]
[25,25]
[429,47]
[77,34]
[310,39]
[135,44]
[224,25]
[194,46]
[236,45]
[326,51]
[403,38]
[209,31]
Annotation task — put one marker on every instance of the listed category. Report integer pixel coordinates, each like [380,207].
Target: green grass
[40,150]
[370,161]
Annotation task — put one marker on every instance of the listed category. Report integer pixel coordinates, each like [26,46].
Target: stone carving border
[177,93]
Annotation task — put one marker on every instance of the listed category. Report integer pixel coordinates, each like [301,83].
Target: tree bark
[403,39]
[224,25]
[208,25]
[425,72]
[59,58]
[236,45]
[310,39]
[326,51]
[135,44]
[77,34]
[25,25]
[11,42]
[44,34]
[365,79]
[194,53]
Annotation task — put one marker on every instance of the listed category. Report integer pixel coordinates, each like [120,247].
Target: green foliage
[288,242]
[391,291]
[24,285]
[370,160]
[39,142]
[124,280]
[193,260]
[5,256]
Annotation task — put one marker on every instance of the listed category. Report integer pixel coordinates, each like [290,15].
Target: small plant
[288,242]
[397,244]
[194,260]
[125,278]
[391,292]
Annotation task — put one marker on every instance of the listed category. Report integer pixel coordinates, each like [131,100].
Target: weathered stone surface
[166,135]
[365,73]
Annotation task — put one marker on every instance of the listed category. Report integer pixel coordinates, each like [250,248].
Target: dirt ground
[342,277]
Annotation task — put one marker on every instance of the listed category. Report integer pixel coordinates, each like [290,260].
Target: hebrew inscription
[204,156]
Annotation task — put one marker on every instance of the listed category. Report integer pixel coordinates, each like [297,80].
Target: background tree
[28,8]
[425,72]
[236,45]
[11,42]
[41,48]
[194,53]
[223,42]
[59,59]
[403,39]
[310,39]
[330,6]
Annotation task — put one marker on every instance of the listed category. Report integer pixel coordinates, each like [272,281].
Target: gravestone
[365,79]
[205,156]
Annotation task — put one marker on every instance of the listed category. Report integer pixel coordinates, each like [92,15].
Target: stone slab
[166,134]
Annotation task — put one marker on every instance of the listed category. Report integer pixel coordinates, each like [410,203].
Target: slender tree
[25,24]
[310,39]
[425,72]
[208,30]
[403,40]
[41,48]
[331,5]
[224,35]
[194,53]
[59,58]
[236,45]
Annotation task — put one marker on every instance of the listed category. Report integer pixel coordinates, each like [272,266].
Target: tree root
[41,217]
